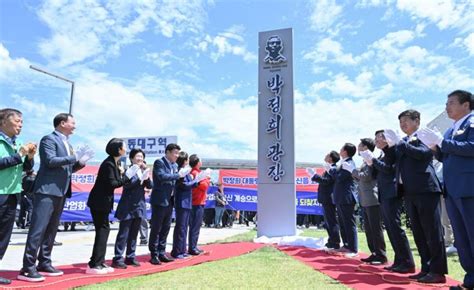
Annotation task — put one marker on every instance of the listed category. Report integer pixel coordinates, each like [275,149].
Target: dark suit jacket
[326,185]
[457,155]
[56,167]
[345,187]
[183,193]
[385,168]
[132,203]
[164,180]
[414,163]
[108,179]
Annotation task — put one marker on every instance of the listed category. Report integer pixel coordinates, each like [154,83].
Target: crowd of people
[405,175]
[178,183]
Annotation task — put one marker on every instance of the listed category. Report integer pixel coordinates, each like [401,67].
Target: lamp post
[61,78]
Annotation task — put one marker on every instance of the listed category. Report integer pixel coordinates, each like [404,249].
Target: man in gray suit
[369,201]
[53,184]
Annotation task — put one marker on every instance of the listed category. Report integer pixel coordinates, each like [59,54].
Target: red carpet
[74,275]
[348,271]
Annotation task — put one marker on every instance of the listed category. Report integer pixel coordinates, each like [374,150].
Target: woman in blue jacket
[183,205]
[130,211]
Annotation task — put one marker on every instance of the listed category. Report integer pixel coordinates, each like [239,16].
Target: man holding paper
[165,175]
[416,179]
[199,195]
[456,151]
[345,198]
[325,197]
[52,186]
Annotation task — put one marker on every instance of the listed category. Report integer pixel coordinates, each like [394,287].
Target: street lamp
[61,78]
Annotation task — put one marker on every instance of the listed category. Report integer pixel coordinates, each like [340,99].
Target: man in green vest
[14,159]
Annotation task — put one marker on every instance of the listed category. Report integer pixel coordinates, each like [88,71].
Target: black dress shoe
[432,278]
[460,287]
[119,265]
[368,259]
[417,276]
[389,268]
[155,261]
[378,260]
[5,281]
[165,259]
[49,271]
[57,243]
[132,262]
[194,253]
[403,269]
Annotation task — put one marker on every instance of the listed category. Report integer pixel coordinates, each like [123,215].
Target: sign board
[153,146]
[276,148]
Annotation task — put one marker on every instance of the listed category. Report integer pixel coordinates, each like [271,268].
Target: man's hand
[391,137]
[429,137]
[367,155]
[132,171]
[184,171]
[348,166]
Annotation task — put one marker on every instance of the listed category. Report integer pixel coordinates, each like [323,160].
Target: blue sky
[189,68]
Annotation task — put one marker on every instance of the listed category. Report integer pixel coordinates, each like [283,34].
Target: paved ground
[77,246]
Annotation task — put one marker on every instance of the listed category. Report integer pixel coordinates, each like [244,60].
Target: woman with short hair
[101,199]
[131,210]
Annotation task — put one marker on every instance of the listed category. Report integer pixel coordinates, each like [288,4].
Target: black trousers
[374,230]
[391,212]
[102,230]
[26,208]
[8,204]
[332,226]
[424,211]
[47,210]
[160,228]
[180,231]
[347,216]
[127,238]
[195,222]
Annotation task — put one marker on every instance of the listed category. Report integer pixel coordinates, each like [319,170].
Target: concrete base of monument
[314,243]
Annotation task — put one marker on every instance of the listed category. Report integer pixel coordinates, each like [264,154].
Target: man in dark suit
[416,178]
[391,203]
[52,185]
[345,198]
[165,175]
[14,159]
[456,151]
[325,198]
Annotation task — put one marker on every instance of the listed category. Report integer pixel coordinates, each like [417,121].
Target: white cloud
[326,124]
[11,69]
[373,3]
[414,68]
[231,41]
[16,74]
[160,59]
[324,14]
[83,30]
[444,13]
[469,43]
[361,87]
[329,50]
[108,108]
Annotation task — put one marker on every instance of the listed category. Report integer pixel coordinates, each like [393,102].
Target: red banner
[248,179]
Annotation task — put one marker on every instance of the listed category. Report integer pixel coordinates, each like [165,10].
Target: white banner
[153,146]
